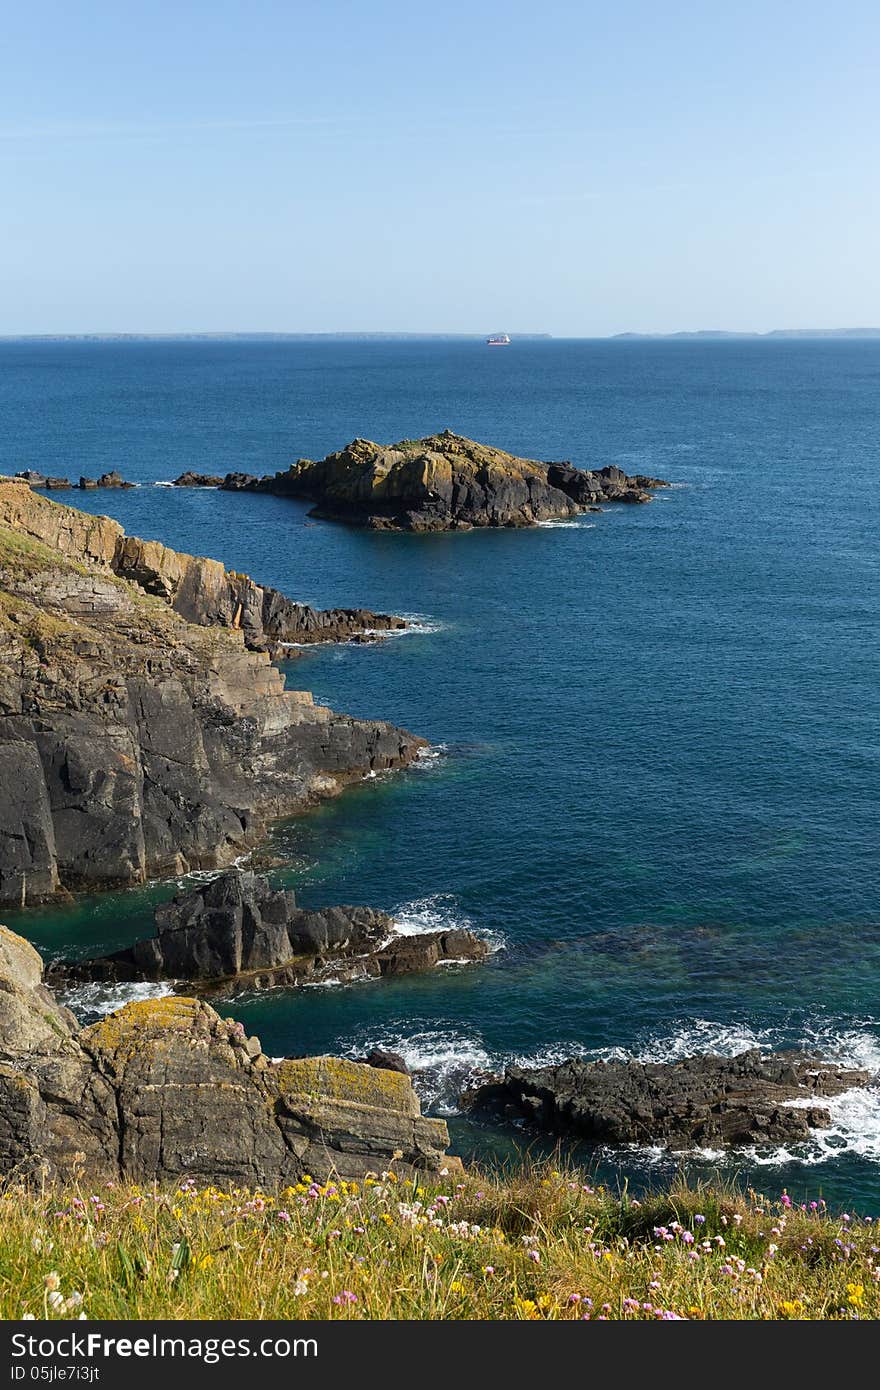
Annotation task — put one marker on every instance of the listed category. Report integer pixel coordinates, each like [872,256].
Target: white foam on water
[855,1114]
[95,999]
[439,912]
[444,1062]
[575,521]
[427,759]
[417,624]
[701,1035]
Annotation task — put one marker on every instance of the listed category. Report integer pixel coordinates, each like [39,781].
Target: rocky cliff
[165,1089]
[237,931]
[441,483]
[200,590]
[141,732]
[693,1103]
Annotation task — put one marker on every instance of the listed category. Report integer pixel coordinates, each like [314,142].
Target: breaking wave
[447,1061]
[93,1000]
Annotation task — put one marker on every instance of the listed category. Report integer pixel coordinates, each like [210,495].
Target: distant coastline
[703,334]
[687,335]
[352,337]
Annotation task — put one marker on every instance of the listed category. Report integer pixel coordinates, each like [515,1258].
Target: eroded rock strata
[165,1089]
[143,729]
[693,1103]
[440,483]
[237,931]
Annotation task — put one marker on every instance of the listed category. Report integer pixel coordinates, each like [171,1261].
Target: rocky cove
[148,733]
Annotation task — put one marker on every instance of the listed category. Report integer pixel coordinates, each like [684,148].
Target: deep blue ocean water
[658,728]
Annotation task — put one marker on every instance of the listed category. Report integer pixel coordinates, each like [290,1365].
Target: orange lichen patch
[152,1023]
[336,1078]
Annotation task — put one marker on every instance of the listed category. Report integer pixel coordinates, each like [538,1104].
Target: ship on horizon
[498,340]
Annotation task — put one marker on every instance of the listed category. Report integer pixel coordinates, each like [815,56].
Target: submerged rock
[237,930]
[164,1089]
[698,1102]
[444,482]
[144,731]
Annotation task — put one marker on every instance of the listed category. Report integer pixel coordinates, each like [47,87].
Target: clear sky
[321,165]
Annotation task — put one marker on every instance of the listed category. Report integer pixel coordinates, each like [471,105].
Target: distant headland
[713,333]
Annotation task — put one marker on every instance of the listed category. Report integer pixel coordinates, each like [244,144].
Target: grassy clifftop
[543,1245]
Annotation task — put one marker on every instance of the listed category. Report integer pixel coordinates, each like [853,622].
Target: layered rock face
[200,590]
[165,1089]
[441,483]
[137,739]
[694,1103]
[237,930]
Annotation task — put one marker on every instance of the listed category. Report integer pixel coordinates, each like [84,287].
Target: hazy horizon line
[116,335]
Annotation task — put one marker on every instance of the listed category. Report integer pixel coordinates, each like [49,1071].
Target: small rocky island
[238,932]
[144,730]
[165,1089]
[697,1102]
[441,483]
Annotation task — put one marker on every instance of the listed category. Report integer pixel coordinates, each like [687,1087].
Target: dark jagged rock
[697,1102]
[164,1089]
[610,484]
[386,1061]
[444,482]
[141,735]
[190,479]
[55,484]
[240,482]
[113,479]
[43,481]
[237,930]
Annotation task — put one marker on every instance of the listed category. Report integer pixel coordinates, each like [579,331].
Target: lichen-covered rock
[139,733]
[445,482]
[701,1101]
[237,930]
[165,1089]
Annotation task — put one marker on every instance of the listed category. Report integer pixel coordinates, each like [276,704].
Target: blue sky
[574,168]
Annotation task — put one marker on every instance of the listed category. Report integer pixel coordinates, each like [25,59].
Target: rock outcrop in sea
[165,1089]
[143,729]
[237,931]
[697,1102]
[441,483]
[50,483]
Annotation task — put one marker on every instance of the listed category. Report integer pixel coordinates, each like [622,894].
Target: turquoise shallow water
[656,729]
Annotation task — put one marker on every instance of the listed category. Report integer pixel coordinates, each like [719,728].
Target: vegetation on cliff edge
[537,1245]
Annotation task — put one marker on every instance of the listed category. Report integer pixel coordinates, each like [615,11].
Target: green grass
[539,1244]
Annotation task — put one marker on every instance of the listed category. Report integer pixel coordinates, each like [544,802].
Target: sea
[654,775]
